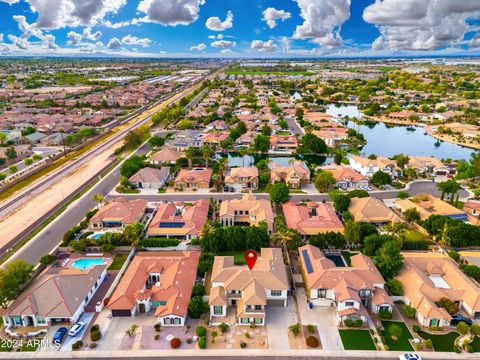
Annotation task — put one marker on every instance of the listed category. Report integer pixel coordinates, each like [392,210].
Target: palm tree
[98,198]
[189,154]
[449,187]
[207,153]
[243,152]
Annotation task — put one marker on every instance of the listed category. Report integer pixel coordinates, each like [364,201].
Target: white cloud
[170,12]
[56,14]
[133,40]
[323,20]
[199,47]
[263,46]
[87,34]
[223,44]
[420,24]
[285,44]
[271,15]
[475,42]
[73,38]
[226,51]
[19,42]
[214,23]
[10,2]
[28,31]
[48,42]
[114,44]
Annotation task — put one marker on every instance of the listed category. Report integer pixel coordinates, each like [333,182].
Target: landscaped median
[357,339]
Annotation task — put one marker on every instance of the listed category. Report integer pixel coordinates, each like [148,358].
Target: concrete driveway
[70,340]
[279,318]
[324,318]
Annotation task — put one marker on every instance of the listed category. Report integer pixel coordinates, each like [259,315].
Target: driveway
[279,318]
[324,318]
[70,340]
[48,339]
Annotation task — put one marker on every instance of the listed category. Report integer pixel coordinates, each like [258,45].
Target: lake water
[235,159]
[388,140]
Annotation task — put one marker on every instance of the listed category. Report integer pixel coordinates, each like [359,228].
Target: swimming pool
[87,263]
[337,259]
[96,236]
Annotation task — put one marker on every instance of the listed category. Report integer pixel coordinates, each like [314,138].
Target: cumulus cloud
[56,14]
[420,24]
[226,51]
[10,2]
[19,42]
[28,31]
[199,47]
[214,23]
[475,42]
[87,34]
[264,46]
[271,15]
[285,41]
[170,12]
[323,20]
[73,38]
[114,44]
[223,44]
[133,40]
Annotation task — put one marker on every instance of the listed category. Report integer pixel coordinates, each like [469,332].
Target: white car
[75,330]
[409,357]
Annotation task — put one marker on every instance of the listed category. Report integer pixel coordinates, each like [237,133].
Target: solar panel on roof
[462,217]
[306,261]
[171,224]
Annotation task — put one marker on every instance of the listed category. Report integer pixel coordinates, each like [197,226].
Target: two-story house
[242,178]
[293,175]
[351,290]
[240,295]
[368,167]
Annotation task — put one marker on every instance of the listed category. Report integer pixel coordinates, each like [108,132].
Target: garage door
[275,302]
[121,313]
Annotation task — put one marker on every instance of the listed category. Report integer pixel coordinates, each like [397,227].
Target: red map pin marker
[250,258]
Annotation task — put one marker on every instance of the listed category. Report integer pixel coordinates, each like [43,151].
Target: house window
[17,320]
[167,321]
[276,292]
[258,307]
[258,321]
[244,320]
[41,320]
[349,303]
[217,310]
[322,293]
[176,321]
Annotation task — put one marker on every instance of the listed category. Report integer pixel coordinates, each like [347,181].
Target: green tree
[324,180]
[381,178]
[48,259]
[266,130]
[279,193]
[133,233]
[132,165]
[341,202]
[389,260]
[402,195]
[462,328]
[207,153]
[196,307]
[10,152]
[475,329]
[8,288]
[394,287]
[395,331]
[449,187]
[3,176]
[313,144]
[402,160]
[20,270]
[156,141]
[261,143]
[28,161]
[12,169]
[411,215]
[353,232]
[337,158]
[3,138]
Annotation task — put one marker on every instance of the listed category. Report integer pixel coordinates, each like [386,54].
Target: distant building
[368,167]
[428,205]
[345,177]
[119,212]
[371,210]
[193,179]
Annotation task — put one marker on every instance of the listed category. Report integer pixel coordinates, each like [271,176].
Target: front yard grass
[402,343]
[238,256]
[118,261]
[414,235]
[357,339]
[476,344]
[442,342]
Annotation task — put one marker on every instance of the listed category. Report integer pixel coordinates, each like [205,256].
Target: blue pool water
[97,235]
[87,263]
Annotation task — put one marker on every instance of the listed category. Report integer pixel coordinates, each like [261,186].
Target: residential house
[332,136]
[428,205]
[294,175]
[246,211]
[165,156]
[150,178]
[240,295]
[179,220]
[279,143]
[371,210]
[472,208]
[58,295]
[424,164]
[119,212]
[345,177]
[242,178]
[368,167]
[311,218]
[353,290]
[193,179]
[214,138]
[429,277]
[157,283]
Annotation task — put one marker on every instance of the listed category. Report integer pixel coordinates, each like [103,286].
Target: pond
[235,159]
[389,140]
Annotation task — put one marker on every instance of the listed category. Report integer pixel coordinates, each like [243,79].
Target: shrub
[48,259]
[202,342]
[353,323]
[92,345]
[158,242]
[295,329]
[243,345]
[196,307]
[469,348]
[77,345]
[385,314]
[95,335]
[409,311]
[201,331]
[312,342]
[416,328]
[198,290]
[475,329]
[158,327]
[95,327]
[311,328]
[394,287]
[175,343]
[462,328]
[418,347]
[395,331]
[386,347]
[157,337]
[223,328]
[358,323]
[428,343]
[454,255]
[457,349]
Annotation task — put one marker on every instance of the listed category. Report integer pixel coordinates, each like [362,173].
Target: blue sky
[249,28]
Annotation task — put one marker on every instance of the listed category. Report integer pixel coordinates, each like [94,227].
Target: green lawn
[357,339]
[443,342]
[238,256]
[118,261]
[414,235]
[476,344]
[30,345]
[402,343]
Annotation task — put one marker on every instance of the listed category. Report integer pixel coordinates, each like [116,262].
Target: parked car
[59,335]
[409,357]
[76,329]
[459,318]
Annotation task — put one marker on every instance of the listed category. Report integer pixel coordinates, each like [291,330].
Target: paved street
[294,126]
